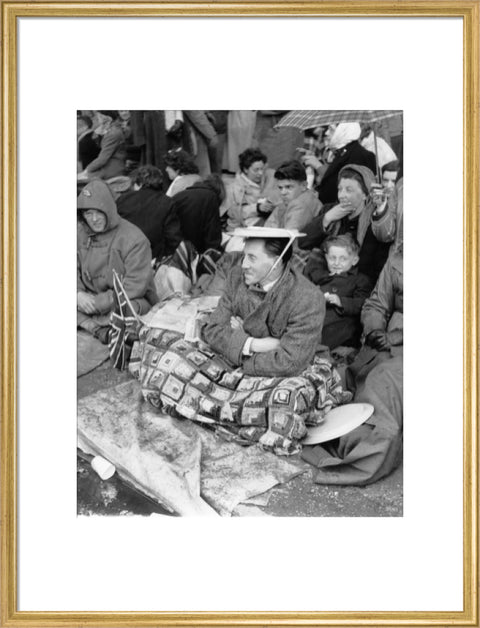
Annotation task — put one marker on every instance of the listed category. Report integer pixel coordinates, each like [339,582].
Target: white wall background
[411,563]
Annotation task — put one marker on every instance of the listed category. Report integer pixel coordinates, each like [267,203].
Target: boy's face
[340,259]
[290,189]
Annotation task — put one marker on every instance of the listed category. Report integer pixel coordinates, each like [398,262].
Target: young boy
[334,270]
[299,205]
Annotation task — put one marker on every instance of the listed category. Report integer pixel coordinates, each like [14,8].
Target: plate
[339,422]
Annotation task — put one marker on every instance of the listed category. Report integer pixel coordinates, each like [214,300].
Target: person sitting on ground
[248,367]
[147,207]
[374,449]
[299,205]
[110,162]
[252,196]
[342,140]
[88,147]
[197,209]
[182,171]
[269,318]
[334,270]
[352,214]
[106,242]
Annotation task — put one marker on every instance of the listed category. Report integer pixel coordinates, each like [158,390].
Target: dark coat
[88,149]
[353,153]
[342,324]
[197,208]
[152,212]
[293,311]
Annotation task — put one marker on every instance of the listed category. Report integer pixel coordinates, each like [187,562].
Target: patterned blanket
[187,379]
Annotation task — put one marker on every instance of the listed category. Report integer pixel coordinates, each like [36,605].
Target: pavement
[299,497]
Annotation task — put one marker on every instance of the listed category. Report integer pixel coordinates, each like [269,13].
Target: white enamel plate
[338,422]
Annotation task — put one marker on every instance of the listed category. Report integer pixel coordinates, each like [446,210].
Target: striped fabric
[309,119]
[124,325]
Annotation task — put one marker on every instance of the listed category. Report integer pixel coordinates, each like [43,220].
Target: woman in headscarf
[353,213]
[343,141]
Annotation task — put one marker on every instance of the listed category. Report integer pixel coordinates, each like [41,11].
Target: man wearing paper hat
[269,319]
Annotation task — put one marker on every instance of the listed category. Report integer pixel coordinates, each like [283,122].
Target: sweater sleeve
[298,343]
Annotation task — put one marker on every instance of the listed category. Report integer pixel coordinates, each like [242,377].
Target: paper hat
[267,232]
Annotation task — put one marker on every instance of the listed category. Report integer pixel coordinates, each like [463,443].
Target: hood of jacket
[97,195]
[367,175]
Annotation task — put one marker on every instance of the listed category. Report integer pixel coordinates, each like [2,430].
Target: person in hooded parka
[107,242]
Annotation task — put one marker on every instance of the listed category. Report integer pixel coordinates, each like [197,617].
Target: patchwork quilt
[186,379]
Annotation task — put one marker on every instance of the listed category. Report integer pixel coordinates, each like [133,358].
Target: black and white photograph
[240,313]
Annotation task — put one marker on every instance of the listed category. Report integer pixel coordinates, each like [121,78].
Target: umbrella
[308,119]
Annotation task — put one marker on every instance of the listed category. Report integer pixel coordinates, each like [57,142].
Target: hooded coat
[121,246]
[373,253]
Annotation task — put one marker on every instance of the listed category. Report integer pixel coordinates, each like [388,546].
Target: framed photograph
[281,79]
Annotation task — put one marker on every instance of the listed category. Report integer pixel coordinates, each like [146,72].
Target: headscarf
[367,175]
[384,152]
[345,133]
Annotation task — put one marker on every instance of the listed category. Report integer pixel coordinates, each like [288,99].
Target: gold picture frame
[469,12]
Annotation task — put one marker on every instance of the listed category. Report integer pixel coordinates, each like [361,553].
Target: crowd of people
[306,255]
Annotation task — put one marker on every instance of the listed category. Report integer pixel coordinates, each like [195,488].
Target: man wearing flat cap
[269,319]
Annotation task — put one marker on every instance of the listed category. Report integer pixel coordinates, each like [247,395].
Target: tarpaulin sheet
[180,464]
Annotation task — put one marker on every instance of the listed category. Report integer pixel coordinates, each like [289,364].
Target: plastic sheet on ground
[182,465]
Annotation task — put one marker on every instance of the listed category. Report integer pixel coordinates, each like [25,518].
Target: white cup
[104,468]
